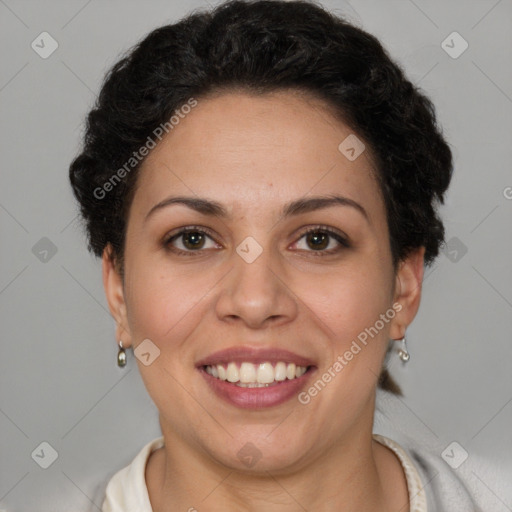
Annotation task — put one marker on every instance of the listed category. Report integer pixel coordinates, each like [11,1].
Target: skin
[253,154]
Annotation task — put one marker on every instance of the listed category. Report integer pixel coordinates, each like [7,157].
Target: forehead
[261,148]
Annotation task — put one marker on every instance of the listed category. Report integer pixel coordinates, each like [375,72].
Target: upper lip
[254,355]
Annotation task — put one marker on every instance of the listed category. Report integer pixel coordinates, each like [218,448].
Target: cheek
[347,301]
[164,305]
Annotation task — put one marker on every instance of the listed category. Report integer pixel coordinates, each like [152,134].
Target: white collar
[415,487]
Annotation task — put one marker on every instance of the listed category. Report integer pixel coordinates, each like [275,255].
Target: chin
[257,452]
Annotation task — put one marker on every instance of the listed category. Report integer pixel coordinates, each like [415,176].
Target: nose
[257,294]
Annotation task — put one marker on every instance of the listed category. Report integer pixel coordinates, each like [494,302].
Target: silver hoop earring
[121,356]
[403,353]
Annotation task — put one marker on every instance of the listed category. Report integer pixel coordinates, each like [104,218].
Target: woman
[261,183]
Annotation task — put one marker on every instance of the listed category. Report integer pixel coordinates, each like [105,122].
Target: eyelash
[342,240]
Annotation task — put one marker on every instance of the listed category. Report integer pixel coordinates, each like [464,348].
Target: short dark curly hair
[259,47]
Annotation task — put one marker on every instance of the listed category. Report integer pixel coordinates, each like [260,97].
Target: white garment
[127,490]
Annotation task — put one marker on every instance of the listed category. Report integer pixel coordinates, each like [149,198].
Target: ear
[114,291]
[409,278]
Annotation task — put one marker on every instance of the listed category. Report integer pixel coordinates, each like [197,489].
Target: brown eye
[190,240]
[317,240]
[193,240]
[323,241]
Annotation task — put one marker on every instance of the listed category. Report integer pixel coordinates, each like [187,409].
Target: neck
[355,474]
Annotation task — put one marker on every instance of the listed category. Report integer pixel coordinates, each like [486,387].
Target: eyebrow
[297,207]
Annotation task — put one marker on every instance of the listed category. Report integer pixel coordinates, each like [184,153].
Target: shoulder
[445,487]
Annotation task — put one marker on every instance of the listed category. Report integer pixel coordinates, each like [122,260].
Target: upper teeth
[253,374]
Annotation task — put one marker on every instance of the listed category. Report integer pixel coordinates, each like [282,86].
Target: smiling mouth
[249,375]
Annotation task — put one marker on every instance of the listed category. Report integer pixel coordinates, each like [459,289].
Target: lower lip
[256,398]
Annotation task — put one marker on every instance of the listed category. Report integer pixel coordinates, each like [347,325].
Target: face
[258,252]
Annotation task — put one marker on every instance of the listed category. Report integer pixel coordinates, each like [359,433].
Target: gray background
[58,378]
